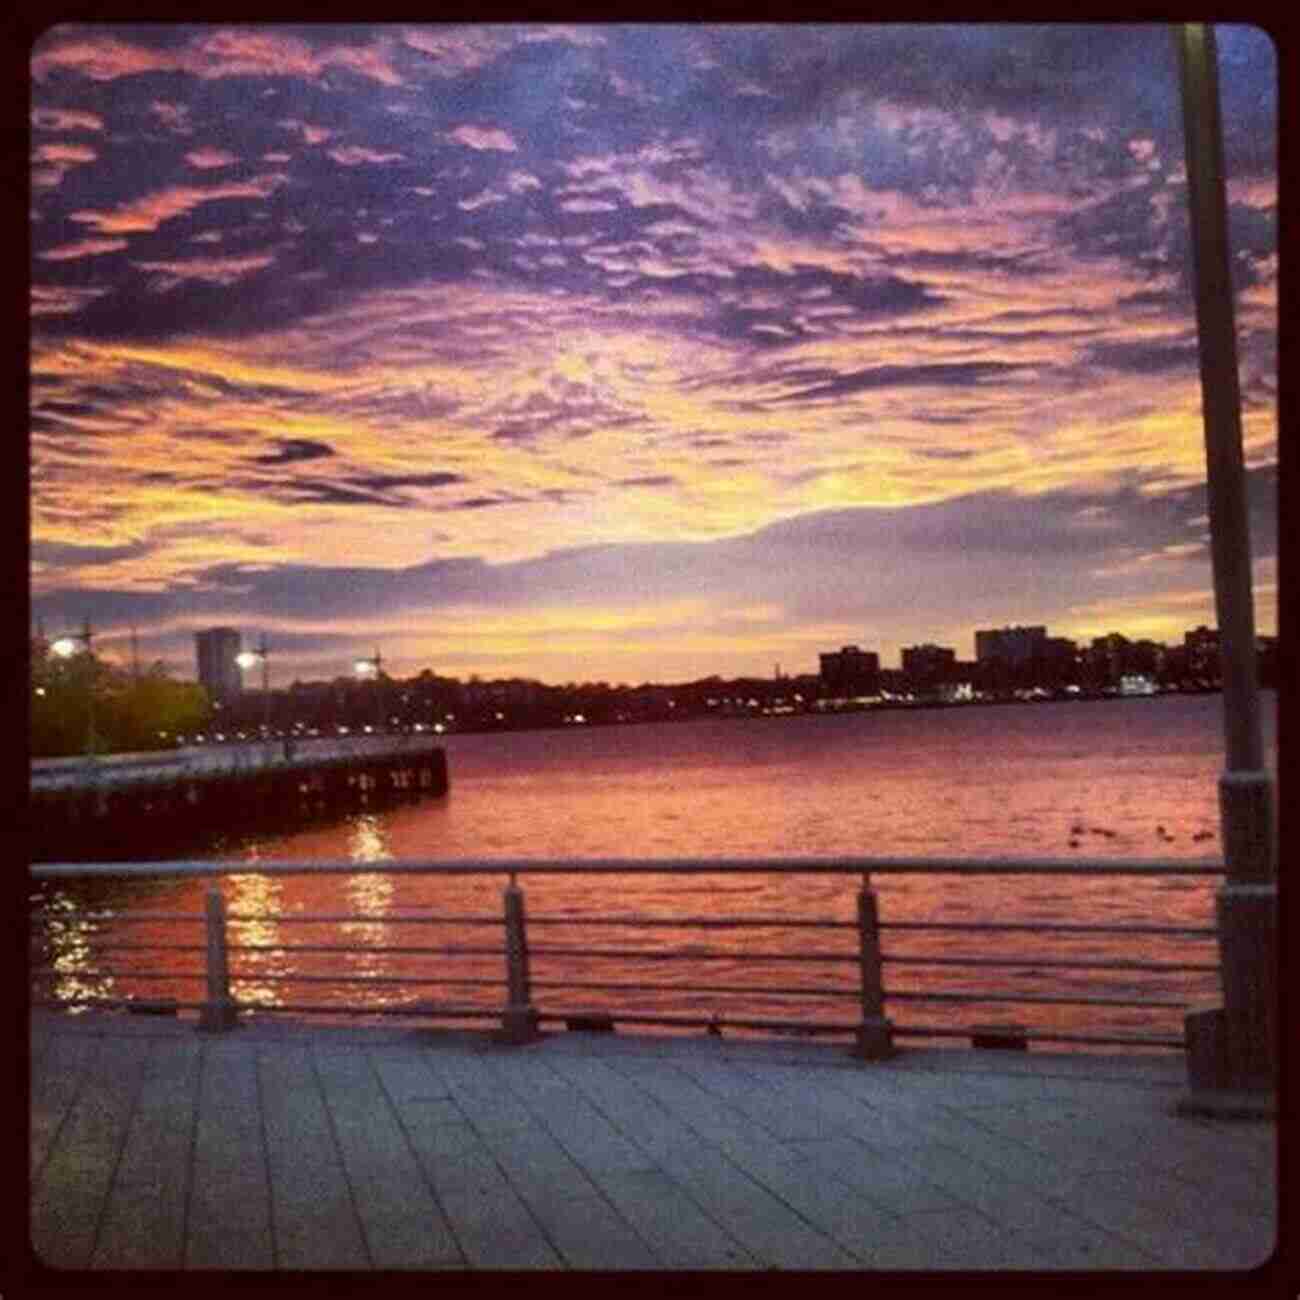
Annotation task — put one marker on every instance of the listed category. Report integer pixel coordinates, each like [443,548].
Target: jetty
[79,804]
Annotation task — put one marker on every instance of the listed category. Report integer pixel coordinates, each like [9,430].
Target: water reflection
[369,893]
[260,897]
[71,958]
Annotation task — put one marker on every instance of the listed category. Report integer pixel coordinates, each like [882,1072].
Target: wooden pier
[78,807]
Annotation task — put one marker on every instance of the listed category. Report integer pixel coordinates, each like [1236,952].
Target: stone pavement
[286,1146]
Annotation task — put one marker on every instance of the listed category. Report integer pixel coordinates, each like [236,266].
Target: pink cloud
[350,155]
[82,248]
[484,137]
[224,52]
[66,119]
[205,158]
[64,153]
[150,211]
[58,300]
[211,270]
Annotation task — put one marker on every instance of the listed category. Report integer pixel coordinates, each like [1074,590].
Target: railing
[519,1015]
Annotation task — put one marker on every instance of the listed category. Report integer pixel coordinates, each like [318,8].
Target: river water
[1125,778]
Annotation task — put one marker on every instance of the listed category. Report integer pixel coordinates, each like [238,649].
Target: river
[1120,778]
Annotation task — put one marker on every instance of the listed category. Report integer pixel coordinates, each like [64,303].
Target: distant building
[217,649]
[1202,650]
[850,672]
[1010,645]
[927,666]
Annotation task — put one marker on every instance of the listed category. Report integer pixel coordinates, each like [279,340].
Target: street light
[65,647]
[369,669]
[250,659]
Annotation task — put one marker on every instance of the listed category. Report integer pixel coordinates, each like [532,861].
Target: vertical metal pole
[218,1013]
[519,1020]
[1232,1048]
[875,1034]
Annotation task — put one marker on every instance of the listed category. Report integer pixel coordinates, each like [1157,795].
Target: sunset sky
[630,352]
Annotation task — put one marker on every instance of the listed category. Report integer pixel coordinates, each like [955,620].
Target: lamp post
[250,659]
[65,647]
[368,669]
[1232,1050]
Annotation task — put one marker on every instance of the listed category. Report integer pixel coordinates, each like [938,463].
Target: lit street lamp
[250,659]
[367,670]
[65,647]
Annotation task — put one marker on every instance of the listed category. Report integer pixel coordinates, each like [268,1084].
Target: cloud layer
[633,352]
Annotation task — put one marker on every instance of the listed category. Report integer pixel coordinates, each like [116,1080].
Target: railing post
[875,1039]
[519,1019]
[218,1013]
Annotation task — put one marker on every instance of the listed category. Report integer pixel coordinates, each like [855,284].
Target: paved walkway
[292,1147]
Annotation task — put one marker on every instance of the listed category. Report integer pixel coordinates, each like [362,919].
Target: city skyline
[630,354]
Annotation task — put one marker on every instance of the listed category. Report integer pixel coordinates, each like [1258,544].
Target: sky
[630,353]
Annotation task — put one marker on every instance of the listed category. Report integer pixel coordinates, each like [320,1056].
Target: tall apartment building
[927,666]
[850,672]
[1012,645]
[217,649]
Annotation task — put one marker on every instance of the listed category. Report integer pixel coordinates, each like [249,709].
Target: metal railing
[520,1016]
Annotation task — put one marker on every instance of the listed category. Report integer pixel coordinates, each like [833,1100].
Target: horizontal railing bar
[1036,998]
[694,988]
[844,866]
[356,1008]
[701,922]
[82,918]
[254,977]
[112,972]
[110,1002]
[1044,1035]
[343,918]
[1051,927]
[363,950]
[1000,962]
[712,955]
[687,1021]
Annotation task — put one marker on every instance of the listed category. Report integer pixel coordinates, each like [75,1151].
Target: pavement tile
[682,1234]
[312,1208]
[229,1223]
[144,1216]
[70,1190]
[590,1234]
[496,1231]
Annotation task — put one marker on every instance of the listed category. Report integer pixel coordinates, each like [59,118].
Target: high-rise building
[850,672]
[927,666]
[1012,645]
[218,648]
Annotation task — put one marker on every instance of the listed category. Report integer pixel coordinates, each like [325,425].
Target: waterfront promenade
[287,1146]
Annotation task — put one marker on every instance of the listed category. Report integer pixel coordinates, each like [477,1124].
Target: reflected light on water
[71,956]
[265,895]
[370,893]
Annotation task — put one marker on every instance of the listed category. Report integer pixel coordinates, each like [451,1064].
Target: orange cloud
[82,248]
[225,52]
[60,300]
[150,211]
[64,153]
[211,270]
[205,158]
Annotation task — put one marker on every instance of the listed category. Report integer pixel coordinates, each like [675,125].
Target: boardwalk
[292,1147]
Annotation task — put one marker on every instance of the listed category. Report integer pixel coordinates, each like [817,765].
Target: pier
[351,1148]
[81,804]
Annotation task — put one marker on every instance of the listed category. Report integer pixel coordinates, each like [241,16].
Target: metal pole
[519,1020]
[218,1012]
[1220,396]
[875,1040]
[1232,1048]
